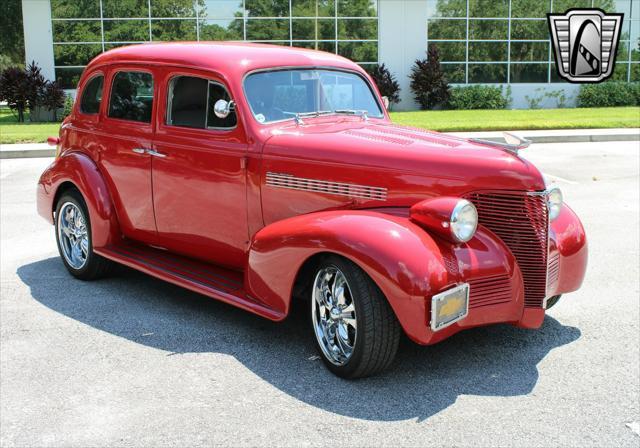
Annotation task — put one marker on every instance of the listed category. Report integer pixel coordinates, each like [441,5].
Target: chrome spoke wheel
[334,315]
[73,235]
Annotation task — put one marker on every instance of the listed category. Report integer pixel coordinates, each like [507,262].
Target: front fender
[401,258]
[568,253]
[80,170]
[406,262]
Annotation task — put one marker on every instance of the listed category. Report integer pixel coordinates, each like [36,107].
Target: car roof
[223,57]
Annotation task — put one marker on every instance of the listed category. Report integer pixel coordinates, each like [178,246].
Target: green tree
[11,34]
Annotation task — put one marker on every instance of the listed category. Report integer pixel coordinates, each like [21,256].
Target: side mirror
[223,108]
[385,101]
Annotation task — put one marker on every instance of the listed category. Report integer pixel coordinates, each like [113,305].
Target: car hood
[404,153]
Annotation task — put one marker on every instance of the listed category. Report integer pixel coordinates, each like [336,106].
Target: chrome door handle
[154,153]
[139,150]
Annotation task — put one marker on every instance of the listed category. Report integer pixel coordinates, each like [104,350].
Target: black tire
[552,301]
[378,331]
[95,266]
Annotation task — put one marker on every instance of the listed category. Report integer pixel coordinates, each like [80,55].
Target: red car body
[236,214]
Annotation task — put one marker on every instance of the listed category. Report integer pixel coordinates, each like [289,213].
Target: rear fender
[402,259]
[81,171]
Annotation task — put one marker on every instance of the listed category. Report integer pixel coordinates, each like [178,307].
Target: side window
[92,95]
[218,92]
[188,102]
[191,102]
[131,96]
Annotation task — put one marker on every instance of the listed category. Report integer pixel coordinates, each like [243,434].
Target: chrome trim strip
[288,181]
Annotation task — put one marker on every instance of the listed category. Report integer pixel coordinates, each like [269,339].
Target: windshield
[285,94]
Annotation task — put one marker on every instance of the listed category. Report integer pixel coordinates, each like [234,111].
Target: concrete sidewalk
[29,150]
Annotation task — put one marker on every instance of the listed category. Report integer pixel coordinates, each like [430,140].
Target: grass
[446,120]
[504,120]
[13,132]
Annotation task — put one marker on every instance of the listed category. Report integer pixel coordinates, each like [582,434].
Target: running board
[213,281]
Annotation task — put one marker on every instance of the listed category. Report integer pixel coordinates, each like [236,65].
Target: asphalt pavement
[134,361]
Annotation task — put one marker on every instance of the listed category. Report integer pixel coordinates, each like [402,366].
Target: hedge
[609,94]
[478,97]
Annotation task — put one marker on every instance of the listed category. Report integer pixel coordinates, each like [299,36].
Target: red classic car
[261,175]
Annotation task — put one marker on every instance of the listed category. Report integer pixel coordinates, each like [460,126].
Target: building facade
[500,42]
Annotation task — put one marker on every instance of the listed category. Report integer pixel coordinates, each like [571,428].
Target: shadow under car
[498,360]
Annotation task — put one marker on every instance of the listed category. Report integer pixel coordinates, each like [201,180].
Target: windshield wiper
[362,113]
[316,113]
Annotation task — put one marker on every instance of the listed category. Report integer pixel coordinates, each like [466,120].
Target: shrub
[52,98]
[609,94]
[535,100]
[36,85]
[560,97]
[478,97]
[542,94]
[28,89]
[428,83]
[14,90]
[386,82]
[68,106]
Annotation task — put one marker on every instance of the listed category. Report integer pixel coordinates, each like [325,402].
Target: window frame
[82,91]
[135,69]
[169,103]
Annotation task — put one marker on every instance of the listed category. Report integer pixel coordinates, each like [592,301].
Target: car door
[126,137]
[199,179]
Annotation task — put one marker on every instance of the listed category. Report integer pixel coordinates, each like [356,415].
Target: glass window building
[479,41]
[507,41]
[84,28]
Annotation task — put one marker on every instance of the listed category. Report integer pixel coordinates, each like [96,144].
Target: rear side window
[131,96]
[191,102]
[188,102]
[92,95]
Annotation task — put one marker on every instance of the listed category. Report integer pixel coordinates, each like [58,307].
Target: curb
[574,138]
[26,153]
[6,152]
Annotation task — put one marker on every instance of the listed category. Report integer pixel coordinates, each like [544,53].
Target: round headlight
[464,221]
[554,202]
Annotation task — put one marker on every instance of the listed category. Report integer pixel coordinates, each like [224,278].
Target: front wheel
[73,235]
[356,331]
[552,301]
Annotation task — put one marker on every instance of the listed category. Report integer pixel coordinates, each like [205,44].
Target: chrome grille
[554,270]
[490,290]
[521,220]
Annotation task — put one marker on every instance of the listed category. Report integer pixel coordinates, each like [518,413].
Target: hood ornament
[513,145]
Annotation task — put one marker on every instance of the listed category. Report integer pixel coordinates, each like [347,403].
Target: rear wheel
[356,331]
[73,235]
